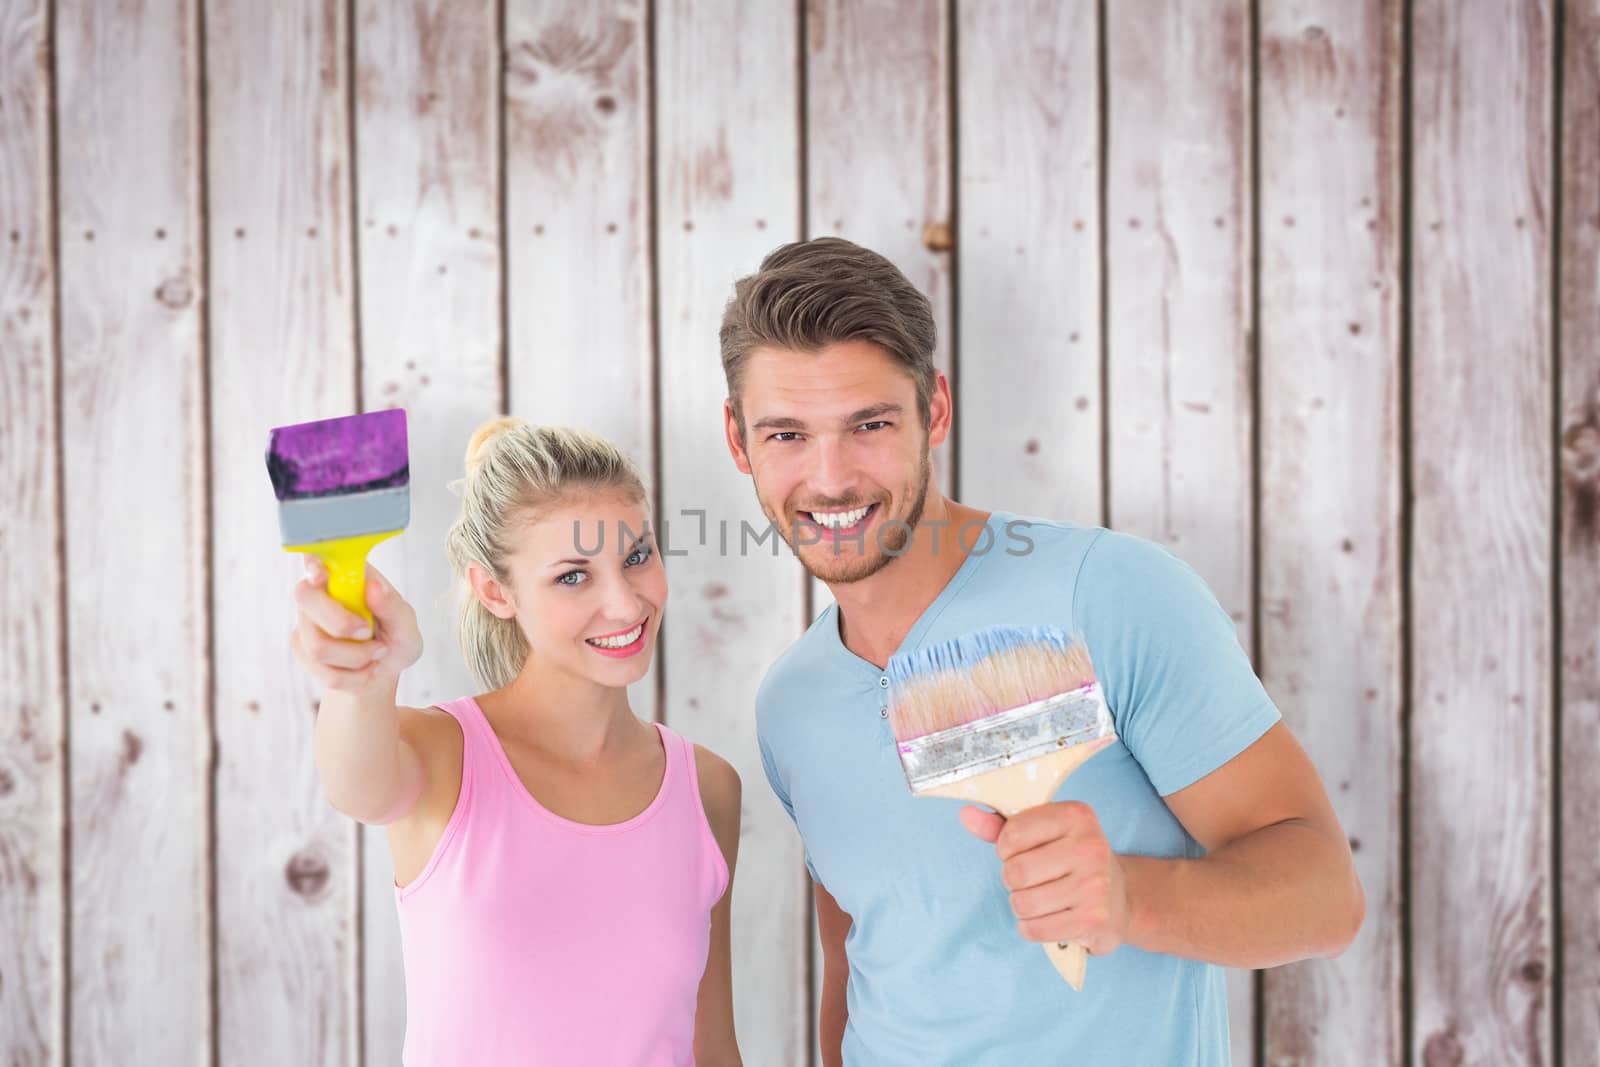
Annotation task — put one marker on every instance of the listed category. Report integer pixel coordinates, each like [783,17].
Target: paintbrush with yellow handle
[1000,717]
[343,485]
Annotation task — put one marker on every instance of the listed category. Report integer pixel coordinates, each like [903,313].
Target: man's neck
[876,613]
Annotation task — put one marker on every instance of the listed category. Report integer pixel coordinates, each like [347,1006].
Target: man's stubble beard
[894,539]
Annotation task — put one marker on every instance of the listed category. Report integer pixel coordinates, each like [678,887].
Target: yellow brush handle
[346,560]
[1018,787]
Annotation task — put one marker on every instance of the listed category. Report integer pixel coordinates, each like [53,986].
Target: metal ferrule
[1009,737]
[327,518]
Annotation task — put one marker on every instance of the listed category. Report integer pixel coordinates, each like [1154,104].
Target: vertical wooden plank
[1480,575]
[728,184]
[428,176]
[1178,305]
[578,218]
[1330,481]
[33,979]
[131,272]
[282,350]
[578,227]
[1029,98]
[1580,531]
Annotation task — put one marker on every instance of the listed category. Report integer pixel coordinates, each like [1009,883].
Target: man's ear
[490,593]
[730,425]
[939,411]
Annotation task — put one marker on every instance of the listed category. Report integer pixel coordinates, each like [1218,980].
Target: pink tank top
[532,939]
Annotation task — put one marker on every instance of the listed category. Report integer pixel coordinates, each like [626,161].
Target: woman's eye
[572,578]
[637,558]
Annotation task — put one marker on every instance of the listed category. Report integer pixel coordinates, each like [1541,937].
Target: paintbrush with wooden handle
[1000,717]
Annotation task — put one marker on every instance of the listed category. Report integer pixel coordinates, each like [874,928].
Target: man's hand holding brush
[1276,883]
[1066,883]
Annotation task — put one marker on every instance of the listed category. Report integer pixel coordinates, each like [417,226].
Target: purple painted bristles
[334,457]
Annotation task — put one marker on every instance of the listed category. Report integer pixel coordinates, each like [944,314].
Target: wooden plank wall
[1577,980]
[130,262]
[1329,484]
[1481,627]
[33,715]
[1306,290]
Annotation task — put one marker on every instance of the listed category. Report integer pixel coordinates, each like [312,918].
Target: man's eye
[878,425]
[786,435]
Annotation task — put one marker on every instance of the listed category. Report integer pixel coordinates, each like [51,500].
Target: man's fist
[1065,882]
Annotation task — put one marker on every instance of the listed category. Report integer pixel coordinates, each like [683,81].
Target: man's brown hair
[811,294]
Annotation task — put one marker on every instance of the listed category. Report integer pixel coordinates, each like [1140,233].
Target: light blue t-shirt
[939,974]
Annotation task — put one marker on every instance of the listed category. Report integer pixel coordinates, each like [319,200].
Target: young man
[1203,837]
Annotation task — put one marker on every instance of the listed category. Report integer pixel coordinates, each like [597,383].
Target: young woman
[563,869]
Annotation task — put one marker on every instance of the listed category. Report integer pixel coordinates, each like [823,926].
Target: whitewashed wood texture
[33,808]
[1177,245]
[429,258]
[1481,537]
[728,179]
[1029,395]
[131,270]
[282,350]
[1330,301]
[1579,415]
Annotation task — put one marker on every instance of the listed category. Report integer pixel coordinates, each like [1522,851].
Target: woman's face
[588,589]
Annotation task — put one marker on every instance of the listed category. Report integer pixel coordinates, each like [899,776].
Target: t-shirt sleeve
[1181,690]
[781,790]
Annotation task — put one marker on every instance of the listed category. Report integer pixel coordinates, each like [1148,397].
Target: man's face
[838,453]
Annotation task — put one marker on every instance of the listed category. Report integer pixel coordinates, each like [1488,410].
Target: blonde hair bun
[485,435]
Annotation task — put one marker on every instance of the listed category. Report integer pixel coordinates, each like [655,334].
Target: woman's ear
[490,592]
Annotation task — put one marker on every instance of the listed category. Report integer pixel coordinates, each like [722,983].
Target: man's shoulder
[1101,568]
[1028,546]
[1122,565]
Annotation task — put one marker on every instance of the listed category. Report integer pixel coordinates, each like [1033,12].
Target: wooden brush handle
[1071,959]
[1019,787]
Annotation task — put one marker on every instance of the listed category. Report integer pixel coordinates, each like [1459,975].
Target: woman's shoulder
[439,741]
[716,774]
[431,726]
[720,790]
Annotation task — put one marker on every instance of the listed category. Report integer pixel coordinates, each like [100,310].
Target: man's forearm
[1285,892]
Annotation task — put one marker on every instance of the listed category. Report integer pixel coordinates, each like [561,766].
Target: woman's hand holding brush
[338,648]
[368,770]
[1065,882]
